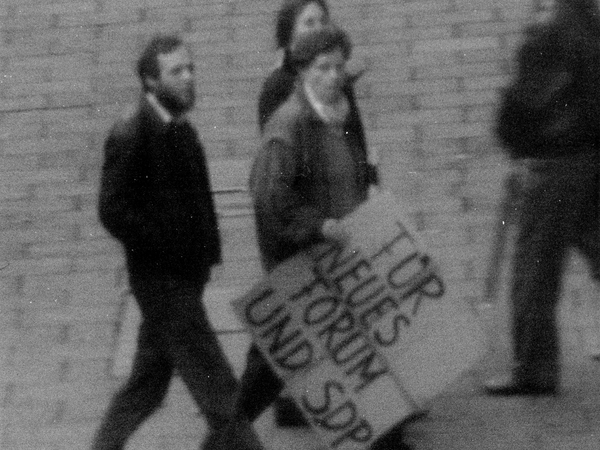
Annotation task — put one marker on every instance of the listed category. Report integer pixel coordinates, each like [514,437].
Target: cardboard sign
[344,387]
[362,335]
[395,290]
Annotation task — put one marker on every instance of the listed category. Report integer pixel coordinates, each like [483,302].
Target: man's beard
[174,104]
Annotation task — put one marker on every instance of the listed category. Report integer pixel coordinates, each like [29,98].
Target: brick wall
[66,72]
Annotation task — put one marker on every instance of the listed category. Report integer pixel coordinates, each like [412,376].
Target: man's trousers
[175,335]
[559,211]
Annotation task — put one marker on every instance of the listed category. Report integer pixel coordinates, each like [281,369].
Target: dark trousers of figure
[175,335]
[259,386]
[559,212]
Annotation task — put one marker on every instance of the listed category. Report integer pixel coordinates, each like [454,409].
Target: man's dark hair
[315,43]
[286,19]
[147,66]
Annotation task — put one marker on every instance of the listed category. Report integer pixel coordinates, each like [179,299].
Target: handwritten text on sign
[330,366]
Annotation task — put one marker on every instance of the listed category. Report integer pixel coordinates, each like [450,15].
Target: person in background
[549,121]
[294,19]
[155,199]
[310,171]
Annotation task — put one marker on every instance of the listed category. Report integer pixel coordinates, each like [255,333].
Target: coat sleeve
[123,208]
[274,184]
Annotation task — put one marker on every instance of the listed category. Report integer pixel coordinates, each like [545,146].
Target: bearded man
[155,199]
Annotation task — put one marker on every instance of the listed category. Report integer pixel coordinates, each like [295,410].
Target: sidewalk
[46,417]
[464,418]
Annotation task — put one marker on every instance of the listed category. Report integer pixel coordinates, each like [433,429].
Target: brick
[413,34]
[45,190]
[31,415]
[468,98]
[36,367]
[84,125]
[26,22]
[487,28]
[463,70]
[486,113]
[39,266]
[451,45]
[14,75]
[452,18]
[416,87]
[72,248]
[54,437]
[420,117]
[490,82]
[34,208]
[87,371]
[23,103]
[257,7]
[101,334]
[28,234]
[481,55]
[426,59]
[40,338]
[15,163]
[399,136]
[40,145]
[81,408]
[19,49]
[57,7]
[483,4]
[80,314]
[85,19]
[421,6]
[20,90]
[98,263]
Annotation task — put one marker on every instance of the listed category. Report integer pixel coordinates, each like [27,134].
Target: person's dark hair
[315,43]
[286,19]
[583,14]
[147,66]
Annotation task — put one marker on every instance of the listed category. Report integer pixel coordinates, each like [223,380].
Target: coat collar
[333,115]
[157,116]
[160,111]
[313,109]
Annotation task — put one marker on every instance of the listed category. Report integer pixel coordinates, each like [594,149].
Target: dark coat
[155,196]
[279,85]
[289,181]
[552,108]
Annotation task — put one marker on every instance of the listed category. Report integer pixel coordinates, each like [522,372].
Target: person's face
[311,18]
[325,76]
[174,87]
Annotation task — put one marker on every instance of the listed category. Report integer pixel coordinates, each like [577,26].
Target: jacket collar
[332,115]
[161,112]
[157,116]
[313,109]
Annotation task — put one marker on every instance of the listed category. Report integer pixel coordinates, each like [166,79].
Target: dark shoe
[392,440]
[238,435]
[515,388]
[288,415]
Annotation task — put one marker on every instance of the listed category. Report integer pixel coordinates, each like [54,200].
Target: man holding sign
[310,172]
